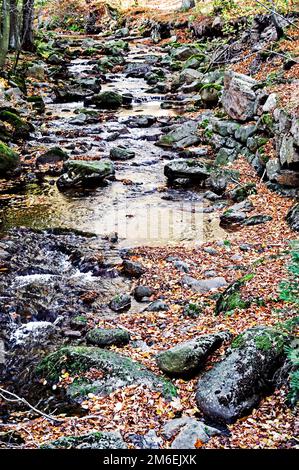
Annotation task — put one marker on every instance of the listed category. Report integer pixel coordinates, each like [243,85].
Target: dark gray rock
[257,219]
[293,217]
[142,292]
[121,153]
[120,303]
[234,386]
[192,170]
[133,268]
[157,306]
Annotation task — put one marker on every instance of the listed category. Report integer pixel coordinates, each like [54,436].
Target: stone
[243,132]
[293,217]
[133,268]
[193,170]
[192,433]
[108,337]
[184,52]
[188,76]
[186,359]
[231,298]
[142,292]
[53,155]
[157,306]
[204,285]
[224,127]
[33,334]
[21,128]
[295,130]
[257,219]
[273,168]
[106,100]
[240,193]
[121,153]
[9,159]
[209,96]
[235,385]
[270,103]
[117,372]
[239,97]
[120,303]
[95,440]
[181,137]
[236,213]
[288,153]
[137,70]
[82,173]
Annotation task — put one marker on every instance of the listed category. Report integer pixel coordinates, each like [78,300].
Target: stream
[137,206]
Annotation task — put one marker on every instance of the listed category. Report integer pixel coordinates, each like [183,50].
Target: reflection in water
[132,206]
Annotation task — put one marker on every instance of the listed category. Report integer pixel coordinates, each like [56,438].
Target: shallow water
[138,205]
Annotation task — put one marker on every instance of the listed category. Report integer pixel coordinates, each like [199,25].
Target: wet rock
[188,358]
[293,218]
[137,70]
[96,440]
[142,292]
[82,173]
[181,137]
[234,386]
[106,100]
[217,184]
[9,159]
[204,285]
[239,96]
[110,337]
[118,372]
[133,268]
[193,170]
[68,93]
[188,432]
[121,153]
[33,334]
[257,219]
[120,303]
[141,121]
[20,127]
[79,120]
[54,155]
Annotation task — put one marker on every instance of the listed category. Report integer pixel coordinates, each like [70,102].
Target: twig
[278,14]
[16,398]
[263,175]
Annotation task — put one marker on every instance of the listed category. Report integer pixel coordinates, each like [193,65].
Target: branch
[278,14]
[15,398]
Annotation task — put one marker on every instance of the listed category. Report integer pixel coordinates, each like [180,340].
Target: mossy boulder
[9,159]
[234,386]
[188,358]
[240,193]
[107,100]
[117,371]
[21,128]
[108,337]
[192,170]
[231,298]
[81,173]
[121,153]
[95,440]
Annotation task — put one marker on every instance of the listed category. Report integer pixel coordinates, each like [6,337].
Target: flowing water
[138,205]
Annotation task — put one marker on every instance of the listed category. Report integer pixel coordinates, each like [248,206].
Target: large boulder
[52,156]
[81,173]
[106,100]
[20,127]
[181,136]
[192,170]
[184,52]
[235,385]
[9,159]
[116,371]
[95,440]
[293,217]
[187,358]
[239,97]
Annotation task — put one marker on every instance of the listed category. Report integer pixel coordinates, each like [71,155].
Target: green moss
[9,159]
[192,310]
[238,341]
[231,298]
[21,127]
[269,340]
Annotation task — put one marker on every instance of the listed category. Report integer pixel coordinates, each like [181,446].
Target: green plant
[289,290]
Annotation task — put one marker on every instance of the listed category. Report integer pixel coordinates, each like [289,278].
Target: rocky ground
[117,340]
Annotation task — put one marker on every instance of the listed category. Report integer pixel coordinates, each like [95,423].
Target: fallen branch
[5,394]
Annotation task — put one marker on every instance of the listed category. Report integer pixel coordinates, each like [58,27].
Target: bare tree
[14,33]
[27,30]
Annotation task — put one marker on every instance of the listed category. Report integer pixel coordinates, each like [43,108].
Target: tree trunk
[27,31]
[14,34]
[4,30]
